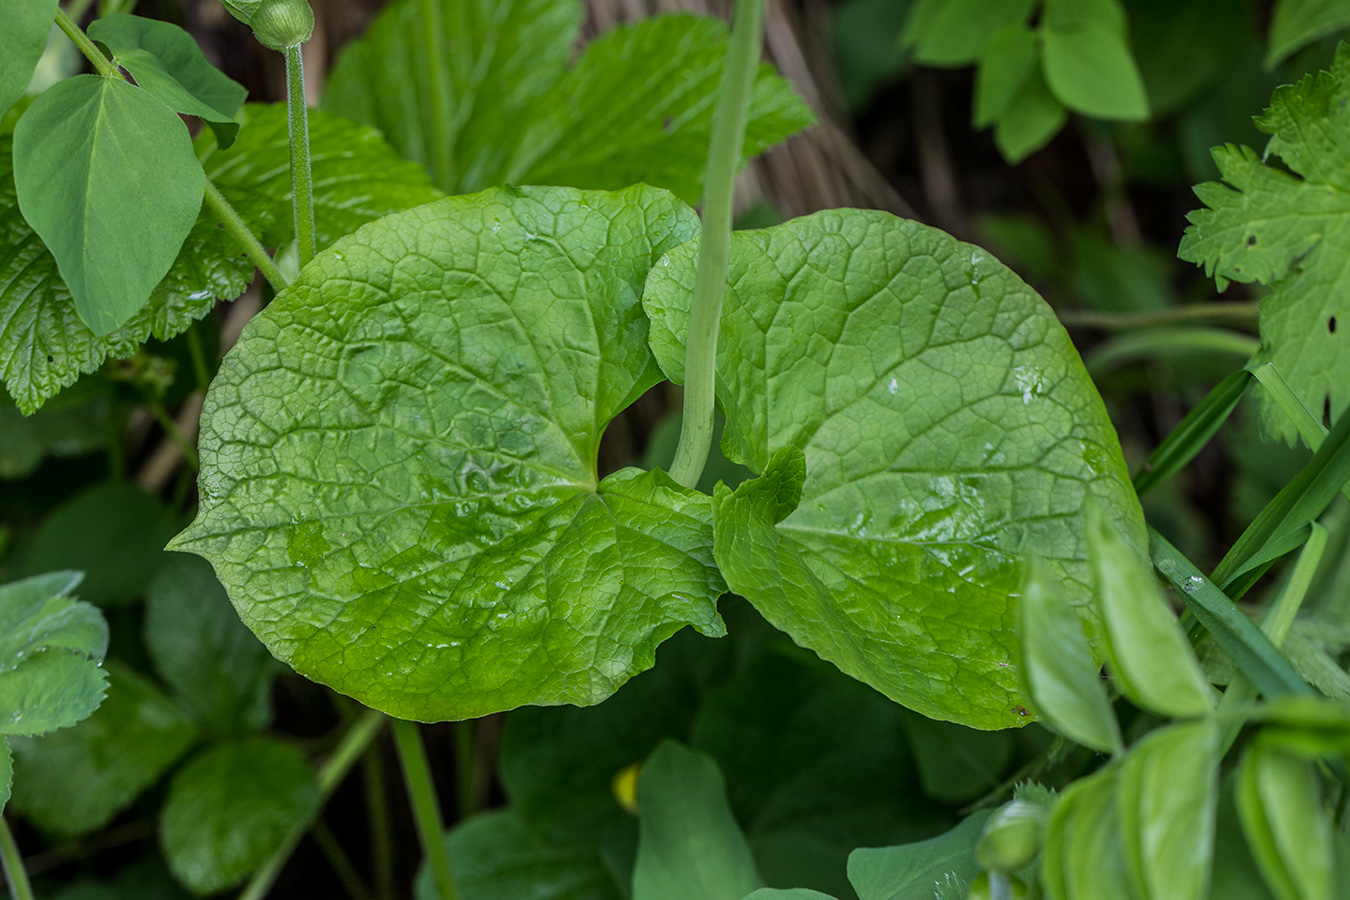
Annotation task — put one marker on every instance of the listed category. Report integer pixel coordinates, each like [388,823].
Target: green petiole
[302,179]
[426,808]
[15,874]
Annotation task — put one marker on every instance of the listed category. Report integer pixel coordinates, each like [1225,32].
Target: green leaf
[957,764]
[957,32]
[910,871]
[948,429]
[636,107]
[1193,433]
[1297,23]
[1031,119]
[1150,658]
[1187,50]
[6,772]
[1279,799]
[791,894]
[1063,679]
[74,781]
[1091,70]
[112,532]
[72,429]
[358,178]
[27,24]
[216,668]
[45,346]
[1167,795]
[450,369]
[1083,857]
[498,857]
[230,807]
[1289,227]
[52,689]
[166,61]
[1008,62]
[92,155]
[690,844]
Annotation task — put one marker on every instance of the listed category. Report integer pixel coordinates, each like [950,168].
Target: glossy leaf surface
[912,871]
[948,428]
[167,63]
[636,106]
[1063,679]
[229,809]
[106,175]
[75,780]
[27,24]
[420,523]
[1279,800]
[1288,226]
[690,844]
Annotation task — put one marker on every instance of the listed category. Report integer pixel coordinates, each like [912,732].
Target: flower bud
[282,24]
[1011,838]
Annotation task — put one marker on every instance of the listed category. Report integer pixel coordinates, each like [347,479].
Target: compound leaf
[419,522]
[27,24]
[1290,230]
[948,429]
[105,174]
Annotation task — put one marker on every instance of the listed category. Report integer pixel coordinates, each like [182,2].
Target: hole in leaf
[668,125]
[1331,325]
[1251,240]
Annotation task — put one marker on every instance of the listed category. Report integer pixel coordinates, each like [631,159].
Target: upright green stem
[101,63]
[705,315]
[377,808]
[426,809]
[172,430]
[15,874]
[302,181]
[438,88]
[348,751]
[235,225]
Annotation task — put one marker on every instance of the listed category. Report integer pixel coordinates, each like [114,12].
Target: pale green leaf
[75,780]
[636,107]
[914,871]
[948,428]
[230,808]
[1279,800]
[216,668]
[1166,797]
[1297,23]
[419,522]
[1030,120]
[1083,856]
[957,32]
[105,174]
[1091,70]
[1291,232]
[27,24]
[689,844]
[166,61]
[1008,62]
[496,856]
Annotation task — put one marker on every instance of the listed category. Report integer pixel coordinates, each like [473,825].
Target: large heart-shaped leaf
[399,484]
[948,427]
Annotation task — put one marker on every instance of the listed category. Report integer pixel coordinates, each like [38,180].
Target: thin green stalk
[302,180]
[1198,312]
[465,759]
[15,874]
[101,63]
[341,863]
[1160,343]
[348,751]
[235,225]
[377,809]
[173,431]
[705,315]
[200,370]
[438,88]
[426,808]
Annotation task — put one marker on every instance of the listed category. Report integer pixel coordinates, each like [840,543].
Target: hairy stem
[302,180]
[101,63]
[705,314]
[426,808]
[15,874]
[348,751]
[222,210]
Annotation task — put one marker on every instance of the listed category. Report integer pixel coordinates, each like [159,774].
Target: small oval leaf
[1279,799]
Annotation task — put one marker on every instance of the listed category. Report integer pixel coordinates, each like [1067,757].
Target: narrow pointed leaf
[420,523]
[1192,433]
[106,175]
[1279,799]
[166,61]
[27,24]
[1063,680]
[1150,658]
[948,429]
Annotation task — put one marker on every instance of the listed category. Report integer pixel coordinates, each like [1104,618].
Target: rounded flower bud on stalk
[1011,838]
[282,24]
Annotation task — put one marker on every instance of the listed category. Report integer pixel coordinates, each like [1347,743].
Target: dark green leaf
[1063,679]
[863,36]
[27,24]
[166,61]
[790,894]
[214,665]
[912,871]
[1185,50]
[1091,70]
[420,524]
[1279,799]
[45,347]
[957,764]
[230,807]
[70,430]
[1253,652]
[74,781]
[1167,795]
[1192,433]
[497,857]
[948,429]
[1150,657]
[636,107]
[1031,119]
[1008,62]
[1298,23]
[93,155]
[690,844]
[112,532]
[52,689]
[957,32]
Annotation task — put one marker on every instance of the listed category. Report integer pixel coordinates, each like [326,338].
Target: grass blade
[1192,433]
